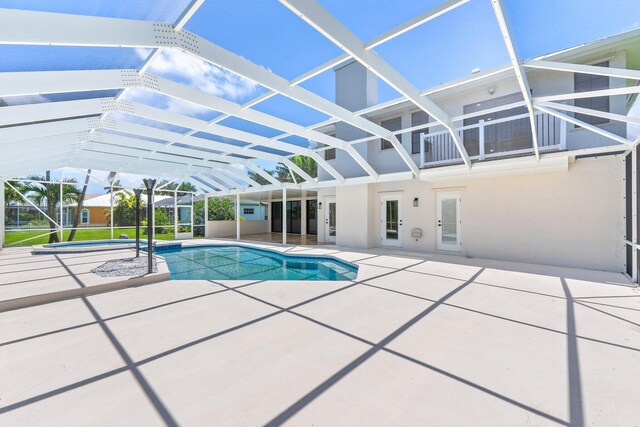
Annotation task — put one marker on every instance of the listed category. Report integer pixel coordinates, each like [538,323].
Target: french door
[448,222]
[391,220]
[330,219]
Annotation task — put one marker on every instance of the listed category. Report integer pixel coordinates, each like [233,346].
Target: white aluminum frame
[70,139]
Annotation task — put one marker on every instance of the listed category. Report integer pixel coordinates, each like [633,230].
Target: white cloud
[185,68]
[157,100]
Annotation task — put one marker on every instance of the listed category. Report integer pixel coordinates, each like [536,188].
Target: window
[418,118]
[330,154]
[392,125]
[84,216]
[248,211]
[589,82]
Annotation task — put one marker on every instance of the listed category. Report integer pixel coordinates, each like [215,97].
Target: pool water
[231,262]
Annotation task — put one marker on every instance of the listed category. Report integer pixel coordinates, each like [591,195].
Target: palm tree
[49,193]
[305,163]
[259,178]
[185,186]
[76,217]
[116,184]
[11,194]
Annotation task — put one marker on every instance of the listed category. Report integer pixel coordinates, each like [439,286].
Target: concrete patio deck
[417,339]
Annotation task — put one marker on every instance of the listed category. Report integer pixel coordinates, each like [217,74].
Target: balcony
[509,136]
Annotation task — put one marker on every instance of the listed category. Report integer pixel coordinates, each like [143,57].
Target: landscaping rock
[124,267]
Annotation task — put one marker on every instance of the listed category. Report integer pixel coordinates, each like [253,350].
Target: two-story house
[563,206]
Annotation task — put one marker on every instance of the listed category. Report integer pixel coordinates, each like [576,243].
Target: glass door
[312,218]
[276,217]
[330,219]
[448,222]
[294,217]
[391,220]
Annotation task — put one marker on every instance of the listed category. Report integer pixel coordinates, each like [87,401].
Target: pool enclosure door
[184,216]
[391,220]
[330,219]
[448,221]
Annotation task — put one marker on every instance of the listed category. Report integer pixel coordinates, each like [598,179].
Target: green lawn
[83,234]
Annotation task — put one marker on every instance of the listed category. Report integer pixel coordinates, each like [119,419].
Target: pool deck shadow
[416,339]
[22,285]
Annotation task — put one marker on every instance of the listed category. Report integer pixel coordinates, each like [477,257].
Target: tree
[49,193]
[221,209]
[259,178]
[11,194]
[168,189]
[116,185]
[124,210]
[76,217]
[305,163]
[162,221]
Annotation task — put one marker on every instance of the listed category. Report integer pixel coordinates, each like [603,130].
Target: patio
[433,339]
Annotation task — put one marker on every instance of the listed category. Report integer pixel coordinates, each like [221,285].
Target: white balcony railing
[496,138]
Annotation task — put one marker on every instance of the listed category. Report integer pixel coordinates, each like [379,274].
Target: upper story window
[418,118]
[248,211]
[330,154]
[84,216]
[589,82]
[392,125]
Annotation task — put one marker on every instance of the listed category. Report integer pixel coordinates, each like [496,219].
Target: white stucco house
[565,206]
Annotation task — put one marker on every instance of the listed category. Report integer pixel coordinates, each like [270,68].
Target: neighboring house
[557,210]
[253,210]
[96,209]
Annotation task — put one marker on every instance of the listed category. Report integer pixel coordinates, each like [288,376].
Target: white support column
[284,215]
[61,208]
[237,216]
[206,215]
[563,135]
[2,214]
[175,213]
[111,208]
[634,215]
[481,138]
[153,213]
[303,216]
[422,153]
[504,23]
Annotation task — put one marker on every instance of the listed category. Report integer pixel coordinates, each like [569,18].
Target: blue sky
[271,36]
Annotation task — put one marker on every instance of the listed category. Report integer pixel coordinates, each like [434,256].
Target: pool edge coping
[161,275]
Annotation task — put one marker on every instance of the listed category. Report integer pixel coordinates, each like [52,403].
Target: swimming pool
[232,262]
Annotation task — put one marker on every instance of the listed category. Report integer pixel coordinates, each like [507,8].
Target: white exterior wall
[228,228]
[572,218]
